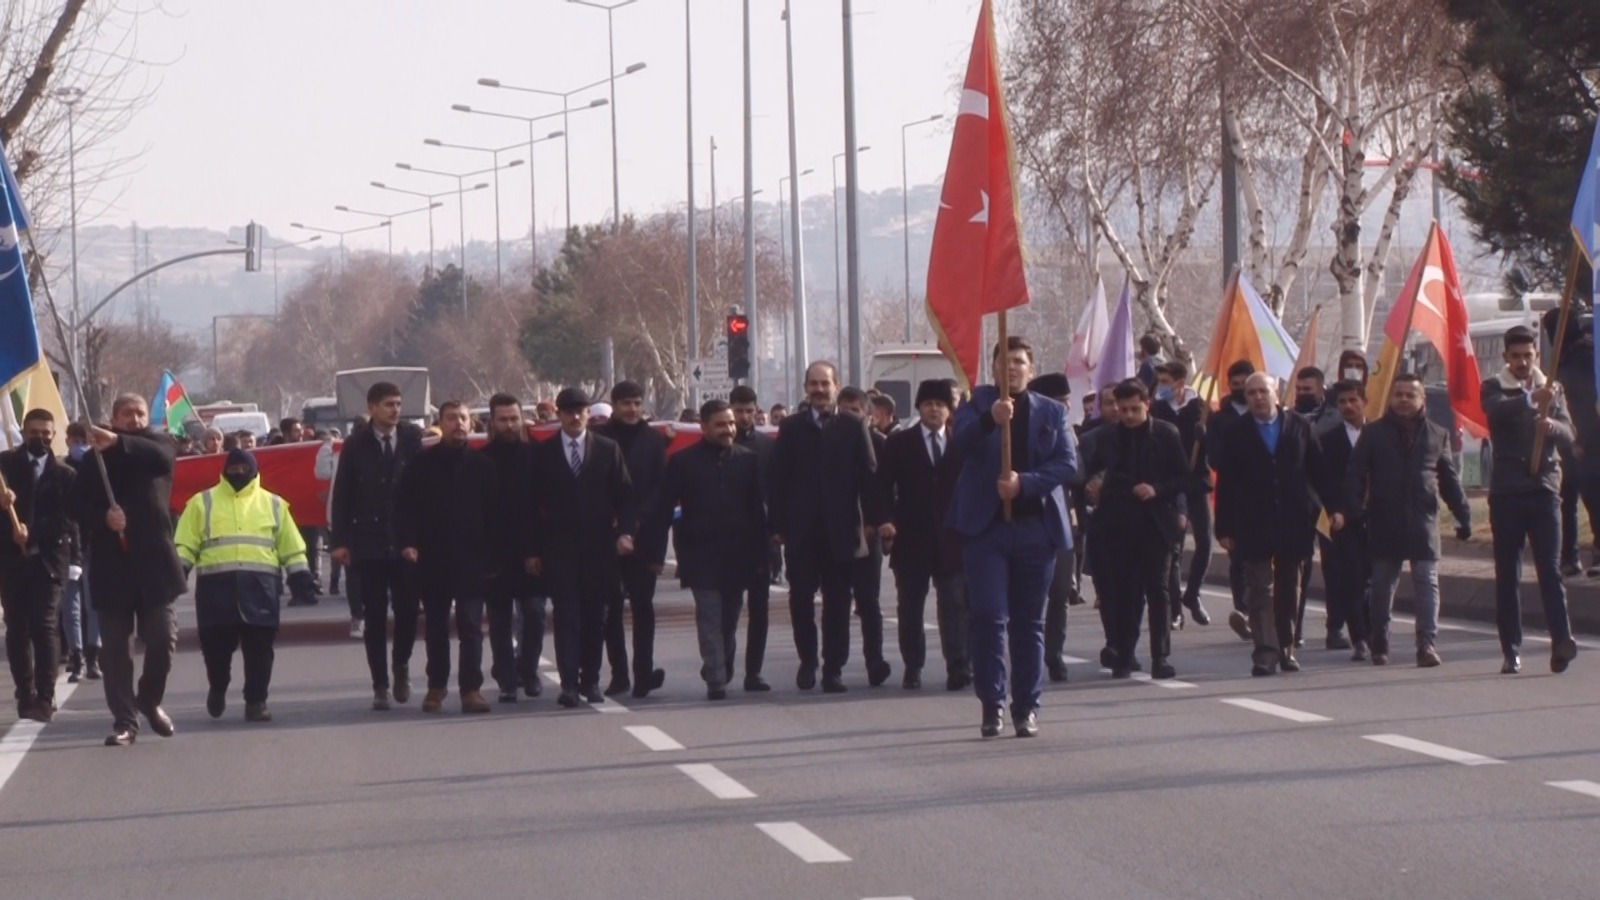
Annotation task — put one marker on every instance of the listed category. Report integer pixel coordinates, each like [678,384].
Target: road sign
[709,378]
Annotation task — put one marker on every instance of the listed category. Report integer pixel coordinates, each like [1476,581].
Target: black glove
[302,585]
[1463,529]
[187,568]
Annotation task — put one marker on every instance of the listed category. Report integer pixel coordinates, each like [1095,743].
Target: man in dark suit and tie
[1013,522]
[822,495]
[136,574]
[742,400]
[36,559]
[918,472]
[586,519]
[1346,570]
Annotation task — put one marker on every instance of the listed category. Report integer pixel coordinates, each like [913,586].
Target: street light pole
[494,153]
[905,209]
[69,97]
[693,318]
[838,270]
[797,281]
[431,207]
[852,181]
[611,44]
[750,215]
[390,217]
[461,210]
[340,233]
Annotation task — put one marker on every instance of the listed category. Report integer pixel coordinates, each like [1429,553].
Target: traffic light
[252,247]
[738,347]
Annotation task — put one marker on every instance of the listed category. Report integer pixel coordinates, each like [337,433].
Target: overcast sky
[279,111]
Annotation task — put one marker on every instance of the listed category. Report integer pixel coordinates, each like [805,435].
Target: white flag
[1088,341]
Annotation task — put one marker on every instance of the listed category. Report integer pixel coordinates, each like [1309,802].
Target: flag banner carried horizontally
[975,267]
[1116,357]
[1586,209]
[170,408]
[1088,340]
[1246,329]
[1432,307]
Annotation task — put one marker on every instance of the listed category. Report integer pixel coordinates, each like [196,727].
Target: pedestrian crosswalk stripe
[800,841]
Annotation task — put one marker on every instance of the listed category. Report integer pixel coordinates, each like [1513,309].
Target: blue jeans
[77,613]
[1517,519]
[1424,588]
[1008,568]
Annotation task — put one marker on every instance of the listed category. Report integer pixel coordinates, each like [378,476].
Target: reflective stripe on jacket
[239,543]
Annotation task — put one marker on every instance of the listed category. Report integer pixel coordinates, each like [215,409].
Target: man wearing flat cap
[918,473]
[586,519]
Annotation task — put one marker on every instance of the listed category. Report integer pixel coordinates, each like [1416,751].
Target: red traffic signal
[738,324]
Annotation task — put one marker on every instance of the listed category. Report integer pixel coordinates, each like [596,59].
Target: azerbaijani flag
[171,406]
[1246,329]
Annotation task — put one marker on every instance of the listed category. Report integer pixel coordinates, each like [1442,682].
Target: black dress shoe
[160,722]
[1562,653]
[807,678]
[958,681]
[1108,658]
[1161,670]
[1058,674]
[911,680]
[1512,665]
[568,699]
[1028,725]
[1288,663]
[1260,671]
[756,684]
[1197,610]
[216,703]
[257,712]
[878,672]
[121,736]
[657,678]
[992,719]
[619,685]
[833,684]
[593,695]
[533,687]
[716,693]
[402,683]
[38,711]
[1121,672]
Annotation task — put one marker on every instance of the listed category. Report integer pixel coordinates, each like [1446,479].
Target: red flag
[976,262]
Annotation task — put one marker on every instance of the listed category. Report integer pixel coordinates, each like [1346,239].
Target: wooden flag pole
[105,482]
[1537,456]
[1003,376]
[19,531]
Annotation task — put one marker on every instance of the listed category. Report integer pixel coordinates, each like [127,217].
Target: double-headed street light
[388,217]
[905,209]
[482,185]
[838,272]
[495,155]
[461,208]
[533,182]
[567,109]
[341,232]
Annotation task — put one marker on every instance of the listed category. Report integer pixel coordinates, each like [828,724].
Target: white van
[897,369]
[256,423]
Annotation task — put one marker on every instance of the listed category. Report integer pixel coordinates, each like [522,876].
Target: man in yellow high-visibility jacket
[239,538]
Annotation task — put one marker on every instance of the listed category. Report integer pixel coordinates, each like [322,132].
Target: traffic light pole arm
[83,322]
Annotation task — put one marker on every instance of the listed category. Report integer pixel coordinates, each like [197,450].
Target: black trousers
[469,633]
[1063,587]
[312,535]
[1139,560]
[31,599]
[580,624]
[810,572]
[516,656]
[1181,594]
[158,629]
[1237,583]
[217,643]
[1347,577]
[950,606]
[866,583]
[387,583]
[755,644]
[639,588]
[1580,480]
[1300,598]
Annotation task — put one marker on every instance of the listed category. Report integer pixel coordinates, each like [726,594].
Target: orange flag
[1308,344]
[1431,305]
[976,262]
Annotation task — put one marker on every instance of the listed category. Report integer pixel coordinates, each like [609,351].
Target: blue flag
[19,211]
[19,336]
[1586,211]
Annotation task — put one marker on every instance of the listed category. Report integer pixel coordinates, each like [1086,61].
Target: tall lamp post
[838,270]
[533,186]
[611,65]
[482,185]
[70,97]
[461,209]
[566,110]
[340,232]
[494,153]
[802,337]
[389,217]
[796,278]
[905,209]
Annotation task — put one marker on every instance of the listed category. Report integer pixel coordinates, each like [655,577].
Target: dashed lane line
[714,780]
[20,737]
[802,842]
[1586,788]
[1273,709]
[653,738]
[1437,751]
[610,706]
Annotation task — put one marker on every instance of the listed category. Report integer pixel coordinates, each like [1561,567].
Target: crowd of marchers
[991,502]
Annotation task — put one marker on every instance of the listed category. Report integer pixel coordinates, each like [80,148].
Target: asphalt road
[1341,781]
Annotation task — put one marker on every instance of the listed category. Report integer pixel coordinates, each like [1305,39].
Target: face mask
[1354,374]
[238,480]
[37,446]
[1306,404]
[1164,392]
[76,451]
[1237,396]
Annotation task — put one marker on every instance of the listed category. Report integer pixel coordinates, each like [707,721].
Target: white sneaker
[357,627]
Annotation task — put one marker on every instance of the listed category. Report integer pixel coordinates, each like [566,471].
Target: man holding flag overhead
[1009,503]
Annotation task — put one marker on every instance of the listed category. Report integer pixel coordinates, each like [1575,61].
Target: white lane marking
[1586,788]
[712,779]
[800,841]
[1072,660]
[653,738]
[1273,709]
[609,706]
[20,737]
[546,664]
[1437,751]
[889,898]
[1169,683]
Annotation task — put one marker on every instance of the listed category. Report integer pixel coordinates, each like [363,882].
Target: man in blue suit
[1009,563]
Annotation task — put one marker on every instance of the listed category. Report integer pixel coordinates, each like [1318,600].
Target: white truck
[351,388]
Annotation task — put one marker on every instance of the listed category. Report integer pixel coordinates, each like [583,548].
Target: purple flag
[1116,359]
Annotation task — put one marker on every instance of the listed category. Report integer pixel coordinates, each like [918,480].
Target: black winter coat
[1396,488]
[45,509]
[512,534]
[919,494]
[578,518]
[448,498]
[644,450]
[1126,457]
[1267,502]
[823,486]
[363,517]
[721,539]
[139,467]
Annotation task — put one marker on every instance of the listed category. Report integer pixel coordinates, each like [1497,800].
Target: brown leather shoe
[1427,657]
[433,702]
[474,702]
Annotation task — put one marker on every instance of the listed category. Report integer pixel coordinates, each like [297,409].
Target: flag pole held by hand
[1536,458]
[111,498]
[1003,376]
